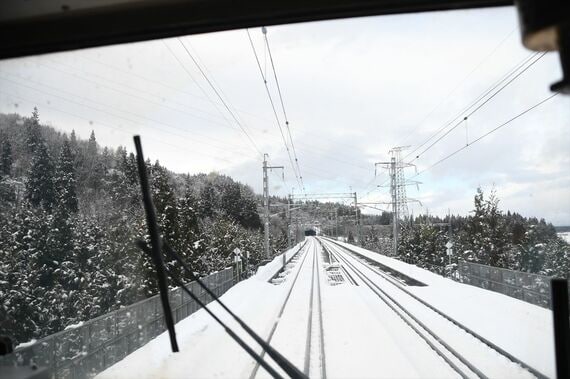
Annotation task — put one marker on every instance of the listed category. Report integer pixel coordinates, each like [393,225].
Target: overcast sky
[352,90]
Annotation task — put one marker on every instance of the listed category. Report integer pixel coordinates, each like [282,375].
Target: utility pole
[357,220]
[336,223]
[289,221]
[266,203]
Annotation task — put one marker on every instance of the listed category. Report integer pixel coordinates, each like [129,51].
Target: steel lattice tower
[398,182]
[401,199]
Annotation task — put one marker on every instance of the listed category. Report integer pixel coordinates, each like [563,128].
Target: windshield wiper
[155,252]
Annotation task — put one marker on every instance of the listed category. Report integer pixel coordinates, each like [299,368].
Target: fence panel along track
[97,344]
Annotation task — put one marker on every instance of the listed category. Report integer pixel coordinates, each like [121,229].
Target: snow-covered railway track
[304,292]
[315,368]
[462,349]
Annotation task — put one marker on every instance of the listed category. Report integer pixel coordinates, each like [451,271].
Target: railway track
[315,368]
[467,353]
[312,361]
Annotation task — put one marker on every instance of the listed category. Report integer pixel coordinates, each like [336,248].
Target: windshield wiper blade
[258,358]
[283,362]
[155,242]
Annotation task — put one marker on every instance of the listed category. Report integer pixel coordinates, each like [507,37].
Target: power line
[206,97]
[374,188]
[275,112]
[478,107]
[172,88]
[109,126]
[105,111]
[283,107]
[239,124]
[150,80]
[473,103]
[227,124]
[312,149]
[487,134]
[99,84]
[477,100]
[495,49]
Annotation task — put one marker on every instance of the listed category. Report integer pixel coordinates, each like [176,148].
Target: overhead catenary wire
[475,102]
[481,62]
[160,83]
[136,96]
[214,104]
[111,127]
[175,89]
[472,104]
[219,87]
[228,124]
[155,94]
[287,126]
[228,109]
[106,111]
[191,76]
[479,107]
[115,128]
[162,103]
[486,134]
[264,78]
[165,104]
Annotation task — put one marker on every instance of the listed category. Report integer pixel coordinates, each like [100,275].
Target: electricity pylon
[398,182]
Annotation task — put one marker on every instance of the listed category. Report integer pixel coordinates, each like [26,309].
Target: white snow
[522,329]
[74,326]
[26,344]
[565,236]
[362,337]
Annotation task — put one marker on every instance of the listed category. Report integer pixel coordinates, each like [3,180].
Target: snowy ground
[565,236]
[361,338]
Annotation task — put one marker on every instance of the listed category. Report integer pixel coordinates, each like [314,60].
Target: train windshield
[375,197]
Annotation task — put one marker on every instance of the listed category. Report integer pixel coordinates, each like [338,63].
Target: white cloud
[353,89]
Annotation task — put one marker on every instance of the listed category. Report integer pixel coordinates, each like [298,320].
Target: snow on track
[352,333]
[522,329]
[289,332]
[466,354]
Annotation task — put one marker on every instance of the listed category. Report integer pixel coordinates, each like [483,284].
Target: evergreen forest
[71,212]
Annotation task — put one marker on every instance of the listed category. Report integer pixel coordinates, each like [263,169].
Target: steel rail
[315,297]
[394,305]
[493,346]
[274,328]
[322,329]
[307,365]
[345,272]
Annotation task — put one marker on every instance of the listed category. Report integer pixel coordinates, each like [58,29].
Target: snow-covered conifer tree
[64,180]
[39,186]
